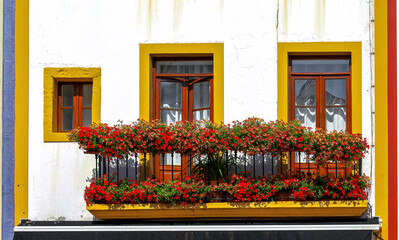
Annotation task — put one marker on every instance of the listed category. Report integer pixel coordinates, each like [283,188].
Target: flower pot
[237,210]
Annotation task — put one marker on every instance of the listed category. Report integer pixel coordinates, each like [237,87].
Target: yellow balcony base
[223,210]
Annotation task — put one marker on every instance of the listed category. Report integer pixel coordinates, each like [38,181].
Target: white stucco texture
[107,34]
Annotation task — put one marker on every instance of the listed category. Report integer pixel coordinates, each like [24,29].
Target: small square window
[72,98]
[74,105]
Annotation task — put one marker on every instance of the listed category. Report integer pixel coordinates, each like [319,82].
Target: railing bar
[127,167]
[109,173]
[281,163]
[226,158]
[104,159]
[99,166]
[145,166]
[272,164]
[290,159]
[136,167]
[117,171]
[263,164]
[163,166]
[299,164]
[96,166]
[245,164]
[336,169]
[253,157]
[345,169]
[327,168]
[360,166]
[154,164]
[307,160]
[172,166]
[235,160]
[181,167]
[190,158]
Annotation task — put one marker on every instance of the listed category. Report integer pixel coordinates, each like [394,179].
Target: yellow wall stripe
[21,108]
[381,114]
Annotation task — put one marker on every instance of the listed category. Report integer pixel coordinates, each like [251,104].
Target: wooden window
[74,105]
[182,91]
[320,94]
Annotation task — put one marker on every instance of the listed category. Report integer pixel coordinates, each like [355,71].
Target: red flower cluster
[251,136]
[235,189]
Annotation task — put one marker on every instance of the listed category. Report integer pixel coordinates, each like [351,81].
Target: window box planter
[223,210]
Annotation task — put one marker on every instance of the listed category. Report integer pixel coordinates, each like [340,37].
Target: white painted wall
[107,34]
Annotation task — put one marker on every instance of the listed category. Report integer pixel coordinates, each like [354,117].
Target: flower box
[231,210]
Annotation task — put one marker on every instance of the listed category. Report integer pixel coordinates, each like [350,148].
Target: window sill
[56,137]
[286,209]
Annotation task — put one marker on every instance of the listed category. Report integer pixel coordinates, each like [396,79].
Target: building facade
[262,55]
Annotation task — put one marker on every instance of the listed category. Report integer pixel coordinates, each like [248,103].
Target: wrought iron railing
[165,167]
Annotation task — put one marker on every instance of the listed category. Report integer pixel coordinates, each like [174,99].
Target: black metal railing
[173,166]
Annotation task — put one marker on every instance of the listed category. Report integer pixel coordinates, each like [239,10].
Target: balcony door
[183,91]
[320,97]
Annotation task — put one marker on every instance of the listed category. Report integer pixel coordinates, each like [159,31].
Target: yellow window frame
[147,51]
[321,48]
[51,77]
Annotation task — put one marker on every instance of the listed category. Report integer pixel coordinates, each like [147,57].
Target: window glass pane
[336,118]
[67,92]
[171,95]
[320,65]
[307,116]
[170,116]
[87,95]
[336,91]
[168,160]
[201,94]
[184,66]
[202,115]
[303,156]
[86,117]
[66,119]
[305,92]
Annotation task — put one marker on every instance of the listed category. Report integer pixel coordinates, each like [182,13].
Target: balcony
[250,169]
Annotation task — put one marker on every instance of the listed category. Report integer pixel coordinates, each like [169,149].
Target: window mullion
[186,101]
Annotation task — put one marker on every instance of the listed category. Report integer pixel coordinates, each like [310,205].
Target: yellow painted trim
[21,109]
[51,76]
[381,114]
[167,49]
[354,48]
[231,210]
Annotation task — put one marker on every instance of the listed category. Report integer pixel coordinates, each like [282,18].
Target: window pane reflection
[202,115]
[305,92]
[170,116]
[201,95]
[171,94]
[166,67]
[67,95]
[335,91]
[320,65]
[66,119]
[307,116]
[336,118]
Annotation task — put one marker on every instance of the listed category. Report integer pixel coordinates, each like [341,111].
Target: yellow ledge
[231,210]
